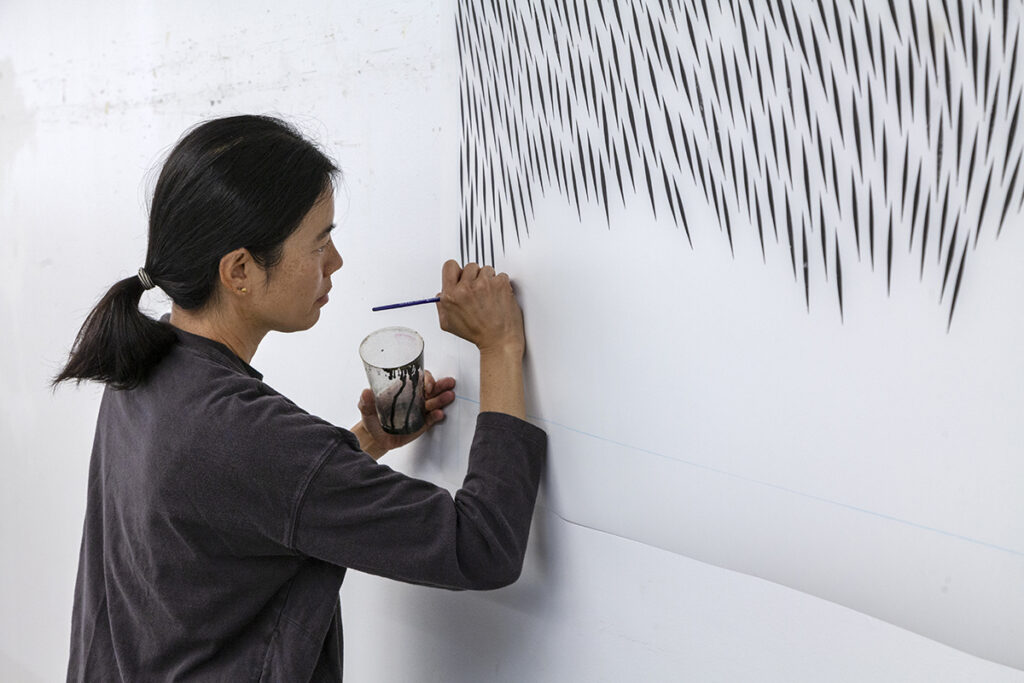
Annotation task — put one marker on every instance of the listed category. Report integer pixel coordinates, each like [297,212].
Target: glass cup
[393,359]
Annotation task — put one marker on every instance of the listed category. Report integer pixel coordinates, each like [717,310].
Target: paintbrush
[403,304]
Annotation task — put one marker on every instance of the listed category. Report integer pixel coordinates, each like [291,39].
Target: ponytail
[237,182]
[118,344]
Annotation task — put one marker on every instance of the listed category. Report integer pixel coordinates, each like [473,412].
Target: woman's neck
[220,326]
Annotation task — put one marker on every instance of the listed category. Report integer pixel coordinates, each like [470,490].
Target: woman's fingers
[440,401]
[439,393]
[432,387]
[444,384]
[433,417]
[480,307]
[450,272]
[367,406]
[469,273]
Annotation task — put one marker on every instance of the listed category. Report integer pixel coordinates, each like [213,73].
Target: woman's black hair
[241,181]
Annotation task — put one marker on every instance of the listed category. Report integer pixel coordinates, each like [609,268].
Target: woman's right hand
[480,306]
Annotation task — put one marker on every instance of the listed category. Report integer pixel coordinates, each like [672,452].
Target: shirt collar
[212,349]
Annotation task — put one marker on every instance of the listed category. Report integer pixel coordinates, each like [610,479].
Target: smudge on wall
[16,122]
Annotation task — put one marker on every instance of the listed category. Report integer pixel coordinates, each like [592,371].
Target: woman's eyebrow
[326,232]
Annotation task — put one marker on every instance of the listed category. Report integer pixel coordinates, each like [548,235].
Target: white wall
[718,399]
[91,98]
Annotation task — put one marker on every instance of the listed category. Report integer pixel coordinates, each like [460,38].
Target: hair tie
[145,279]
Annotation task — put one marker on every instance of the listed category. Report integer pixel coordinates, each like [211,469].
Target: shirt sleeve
[360,514]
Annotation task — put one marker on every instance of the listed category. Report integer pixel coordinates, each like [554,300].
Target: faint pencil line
[777,487]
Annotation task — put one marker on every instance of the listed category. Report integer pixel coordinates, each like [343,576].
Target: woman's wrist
[367,442]
[501,381]
[504,349]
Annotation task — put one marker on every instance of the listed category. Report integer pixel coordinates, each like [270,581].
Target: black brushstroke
[956,287]
[558,96]
[807,279]
[839,283]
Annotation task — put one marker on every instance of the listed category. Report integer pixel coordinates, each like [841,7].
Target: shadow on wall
[839,130]
[493,629]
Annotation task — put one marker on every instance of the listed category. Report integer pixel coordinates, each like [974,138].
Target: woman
[221,517]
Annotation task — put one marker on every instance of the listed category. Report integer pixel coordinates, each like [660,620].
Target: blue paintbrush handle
[433,300]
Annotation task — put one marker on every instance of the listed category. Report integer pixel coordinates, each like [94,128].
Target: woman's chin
[300,325]
[313,319]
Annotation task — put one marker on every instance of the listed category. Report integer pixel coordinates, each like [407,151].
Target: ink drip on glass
[393,359]
[400,406]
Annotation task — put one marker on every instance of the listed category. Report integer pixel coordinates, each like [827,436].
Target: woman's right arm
[362,515]
[480,306]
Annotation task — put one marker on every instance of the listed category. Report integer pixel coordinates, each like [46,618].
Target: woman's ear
[236,271]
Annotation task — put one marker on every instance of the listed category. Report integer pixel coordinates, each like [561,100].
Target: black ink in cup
[393,359]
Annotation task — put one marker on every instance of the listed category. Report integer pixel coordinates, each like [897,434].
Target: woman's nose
[335,261]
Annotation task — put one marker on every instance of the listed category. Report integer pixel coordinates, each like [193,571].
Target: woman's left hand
[372,437]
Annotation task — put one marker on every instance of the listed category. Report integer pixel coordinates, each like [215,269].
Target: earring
[243,290]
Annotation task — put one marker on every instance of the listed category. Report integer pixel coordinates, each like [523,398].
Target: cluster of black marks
[839,129]
[400,406]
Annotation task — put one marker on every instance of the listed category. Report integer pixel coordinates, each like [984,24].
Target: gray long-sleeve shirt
[221,518]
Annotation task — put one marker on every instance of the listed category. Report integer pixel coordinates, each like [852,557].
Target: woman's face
[290,298]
